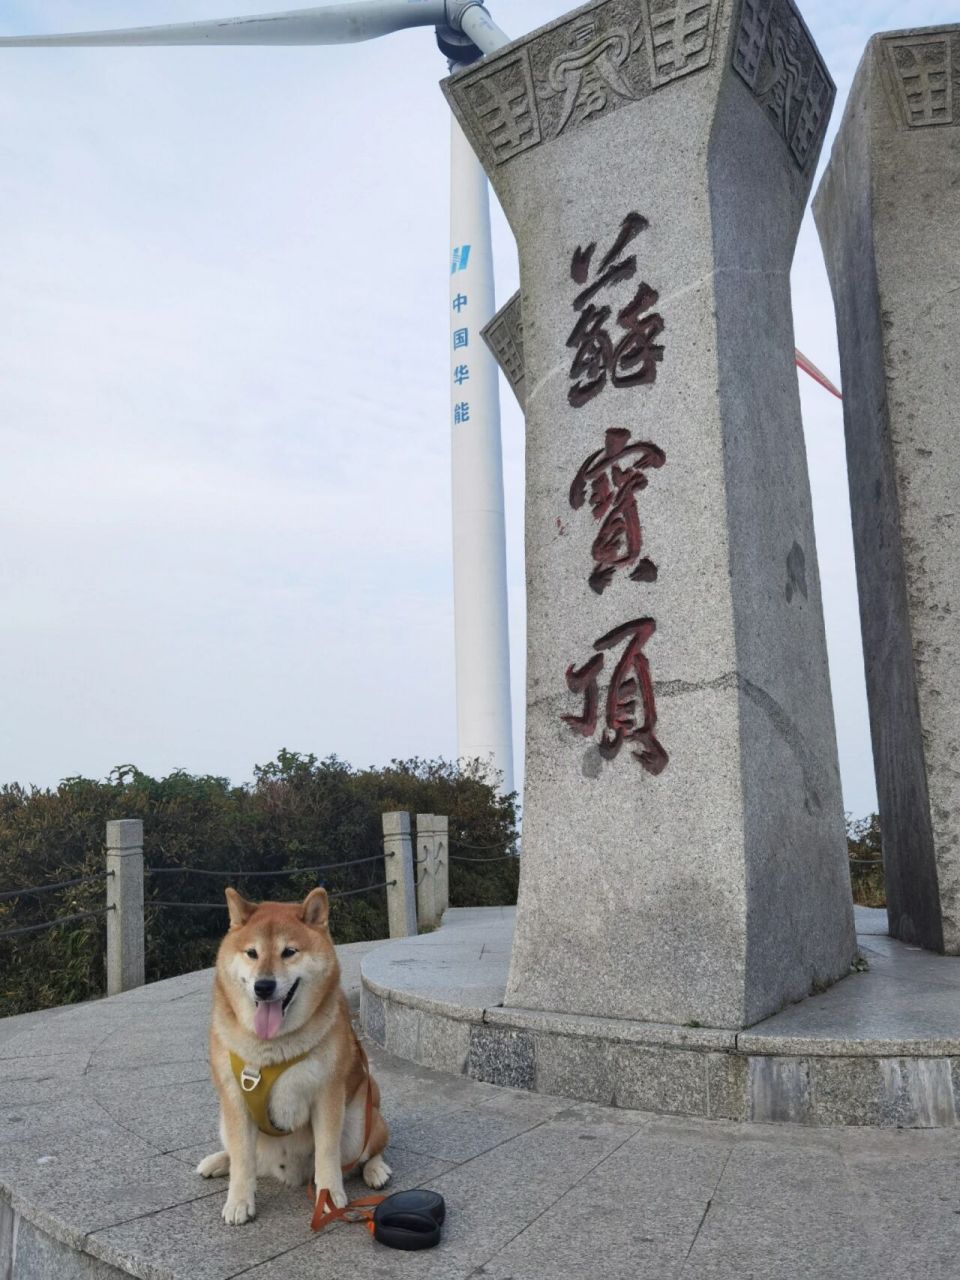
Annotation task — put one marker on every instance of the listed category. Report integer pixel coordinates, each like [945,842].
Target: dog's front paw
[215,1166]
[239,1209]
[376,1172]
[338,1197]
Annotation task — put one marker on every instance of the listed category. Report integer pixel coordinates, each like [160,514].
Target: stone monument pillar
[888,213]
[684,857]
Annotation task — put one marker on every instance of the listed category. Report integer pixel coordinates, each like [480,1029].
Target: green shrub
[297,812]
[865,850]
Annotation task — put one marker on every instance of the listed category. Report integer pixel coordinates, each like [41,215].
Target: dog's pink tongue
[267,1018]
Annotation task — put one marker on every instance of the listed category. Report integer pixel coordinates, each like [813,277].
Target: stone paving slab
[23,1022]
[536,1186]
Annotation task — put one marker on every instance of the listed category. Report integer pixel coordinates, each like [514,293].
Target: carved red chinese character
[633,360]
[613,492]
[584,680]
[630,708]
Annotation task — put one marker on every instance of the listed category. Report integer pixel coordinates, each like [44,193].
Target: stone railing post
[428,916]
[398,863]
[442,887]
[125,943]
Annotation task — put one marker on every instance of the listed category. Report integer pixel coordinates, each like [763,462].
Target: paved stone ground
[106,1107]
[908,1000]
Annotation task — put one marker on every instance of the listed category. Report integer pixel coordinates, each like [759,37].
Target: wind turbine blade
[807,365]
[331,24]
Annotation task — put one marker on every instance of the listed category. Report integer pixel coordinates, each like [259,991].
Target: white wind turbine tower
[465,31]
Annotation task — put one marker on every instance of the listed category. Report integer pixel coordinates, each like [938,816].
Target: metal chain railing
[503,857]
[478,848]
[53,924]
[288,871]
[222,906]
[367,888]
[280,872]
[35,889]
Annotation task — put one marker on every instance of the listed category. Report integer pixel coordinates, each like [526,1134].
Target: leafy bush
[866,861]
[297,812]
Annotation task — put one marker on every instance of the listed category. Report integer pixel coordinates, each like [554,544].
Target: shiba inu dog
[297,1099]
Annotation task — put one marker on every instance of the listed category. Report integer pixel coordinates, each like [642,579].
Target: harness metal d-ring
[249,1080]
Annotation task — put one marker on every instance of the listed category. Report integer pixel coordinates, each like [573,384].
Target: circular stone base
[881,1048]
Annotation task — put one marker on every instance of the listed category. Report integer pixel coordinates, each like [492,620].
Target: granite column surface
[888,212]
[684,853]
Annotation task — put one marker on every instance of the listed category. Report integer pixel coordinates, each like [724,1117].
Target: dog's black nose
[264,988]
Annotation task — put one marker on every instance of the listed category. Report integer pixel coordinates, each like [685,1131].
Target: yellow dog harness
[256,1085]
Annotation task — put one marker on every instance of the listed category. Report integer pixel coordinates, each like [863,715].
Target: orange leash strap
[325,1212]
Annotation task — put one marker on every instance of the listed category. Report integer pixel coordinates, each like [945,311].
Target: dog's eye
[251,952]
[287,952]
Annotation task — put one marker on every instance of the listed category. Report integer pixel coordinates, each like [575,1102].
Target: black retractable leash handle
[409,1220]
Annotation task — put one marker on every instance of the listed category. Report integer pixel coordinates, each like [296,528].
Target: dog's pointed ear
[240,909]
[316,909]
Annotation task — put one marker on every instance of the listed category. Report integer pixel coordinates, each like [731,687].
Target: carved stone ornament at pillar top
[504,336]
[684,842]
[608,55]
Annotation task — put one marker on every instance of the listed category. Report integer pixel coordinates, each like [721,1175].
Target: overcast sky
[224,498]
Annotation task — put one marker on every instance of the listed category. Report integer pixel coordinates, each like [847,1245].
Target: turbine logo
[461,256]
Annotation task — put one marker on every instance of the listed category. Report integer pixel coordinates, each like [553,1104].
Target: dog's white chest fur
[293,1094]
